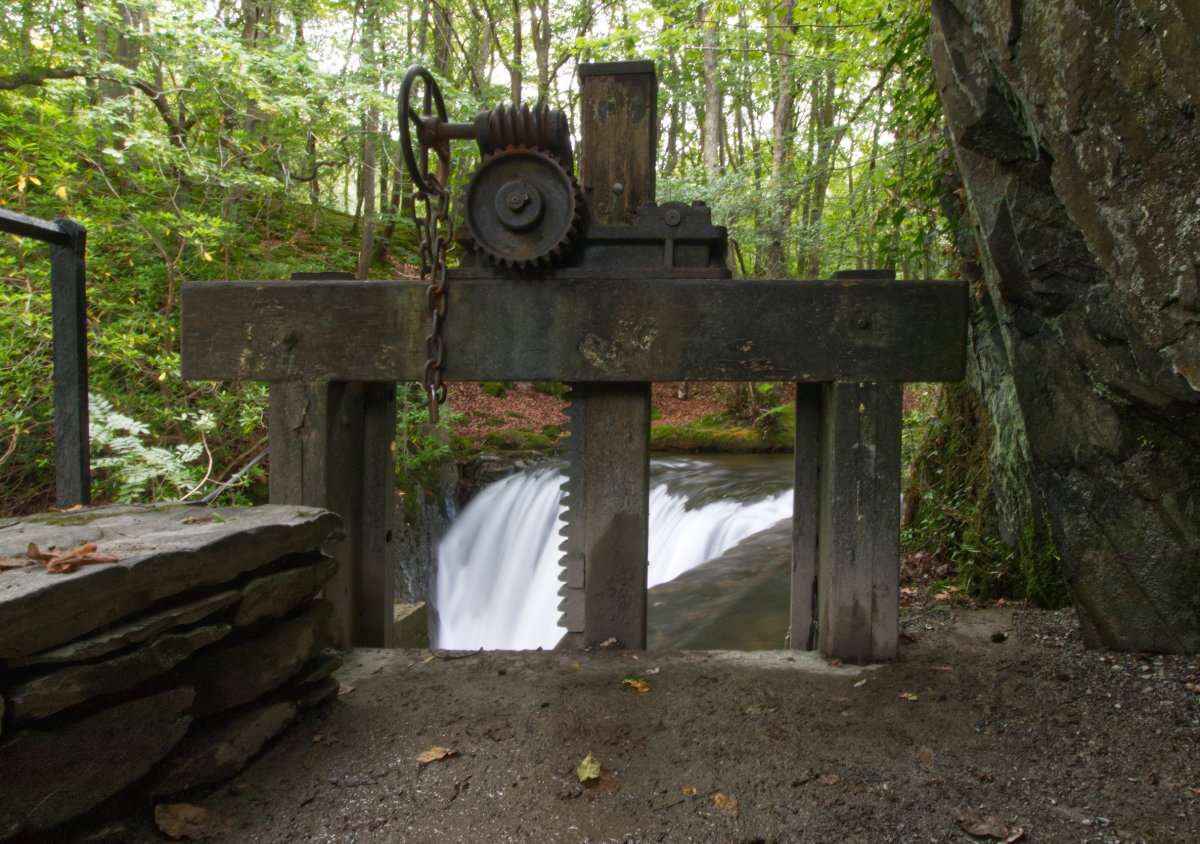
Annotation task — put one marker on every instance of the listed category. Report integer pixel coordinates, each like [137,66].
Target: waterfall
[497,573]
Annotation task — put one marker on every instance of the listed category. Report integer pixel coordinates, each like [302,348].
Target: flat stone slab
[162,550]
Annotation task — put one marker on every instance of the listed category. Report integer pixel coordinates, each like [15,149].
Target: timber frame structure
[333,351]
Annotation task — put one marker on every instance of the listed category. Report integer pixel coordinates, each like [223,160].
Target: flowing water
[497,573]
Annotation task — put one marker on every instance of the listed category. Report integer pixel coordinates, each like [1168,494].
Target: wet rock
[53,776]
[162,551]
[229,676]
[1074,127]
[223,749]
[49,693]
[131,632]
[321,666]
[275,595]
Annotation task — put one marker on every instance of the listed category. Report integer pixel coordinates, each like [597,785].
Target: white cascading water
[497,577]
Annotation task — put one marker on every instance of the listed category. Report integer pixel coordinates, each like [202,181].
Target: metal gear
[523,208]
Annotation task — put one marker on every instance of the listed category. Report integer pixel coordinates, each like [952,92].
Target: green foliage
[950,509]
[220,142]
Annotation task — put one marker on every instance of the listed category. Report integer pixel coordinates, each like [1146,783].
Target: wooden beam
[580,330]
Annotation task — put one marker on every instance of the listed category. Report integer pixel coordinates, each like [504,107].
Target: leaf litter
[58,562]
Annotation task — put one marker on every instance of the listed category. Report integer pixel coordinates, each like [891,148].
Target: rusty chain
[434,231]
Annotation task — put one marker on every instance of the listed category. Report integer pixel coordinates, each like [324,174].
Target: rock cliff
[1075,131]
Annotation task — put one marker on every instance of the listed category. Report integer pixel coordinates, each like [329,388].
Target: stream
[719,555]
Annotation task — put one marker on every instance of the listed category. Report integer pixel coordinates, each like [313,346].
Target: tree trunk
[711,140]
[782,128]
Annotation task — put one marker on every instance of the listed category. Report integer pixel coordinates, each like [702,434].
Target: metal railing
[68,295]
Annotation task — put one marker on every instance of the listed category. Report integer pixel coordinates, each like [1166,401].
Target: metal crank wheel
[425,124]
[523,209]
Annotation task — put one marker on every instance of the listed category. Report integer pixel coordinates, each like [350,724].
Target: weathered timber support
[647,300]
[609,476]
[333,446]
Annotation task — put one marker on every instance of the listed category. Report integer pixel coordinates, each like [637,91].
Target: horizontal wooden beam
[579,330]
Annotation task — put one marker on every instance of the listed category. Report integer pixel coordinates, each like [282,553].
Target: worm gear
[523,208]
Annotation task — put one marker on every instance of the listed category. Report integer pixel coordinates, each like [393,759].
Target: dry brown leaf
[908,696]
[14,562]
[344,689]
[61,562]
[725,803]
[181,820]
[689,790]
[434,754]
[640,685]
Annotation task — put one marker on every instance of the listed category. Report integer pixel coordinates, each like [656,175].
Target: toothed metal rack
[635,293]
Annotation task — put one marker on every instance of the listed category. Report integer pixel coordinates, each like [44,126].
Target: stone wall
[1076,136]
[166,669]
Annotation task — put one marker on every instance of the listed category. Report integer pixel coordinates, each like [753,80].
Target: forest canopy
[220,140]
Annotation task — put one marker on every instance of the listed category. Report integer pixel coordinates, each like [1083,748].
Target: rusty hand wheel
[425,124]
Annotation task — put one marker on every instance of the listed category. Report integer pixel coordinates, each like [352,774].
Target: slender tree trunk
[515,70]
[370,141]
[712,95]
[782,128]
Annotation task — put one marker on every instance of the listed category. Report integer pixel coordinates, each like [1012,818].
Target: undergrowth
[950,517]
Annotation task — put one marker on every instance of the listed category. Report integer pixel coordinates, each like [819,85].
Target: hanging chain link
[434,232]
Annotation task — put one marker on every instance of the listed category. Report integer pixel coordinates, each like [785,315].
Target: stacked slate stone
[164,670]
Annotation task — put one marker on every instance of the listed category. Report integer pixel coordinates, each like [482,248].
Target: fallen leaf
[974,823]
[908,696]
[181,820]
[725,803]
[14,562]
[942,668]
[588,770]
[689,790]
[344,689]
[828,779]
[61,562]
[434,754]
[861,683]
[636,682]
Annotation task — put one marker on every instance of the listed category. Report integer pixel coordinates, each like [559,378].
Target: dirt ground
[994,725]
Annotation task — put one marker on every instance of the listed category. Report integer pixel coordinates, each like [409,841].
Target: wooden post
[858,534]
[807,456]
[333,446]
[619,105]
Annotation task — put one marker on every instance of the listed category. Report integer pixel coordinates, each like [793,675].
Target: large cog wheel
[523,208]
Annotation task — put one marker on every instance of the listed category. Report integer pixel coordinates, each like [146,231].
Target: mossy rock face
[951,507]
